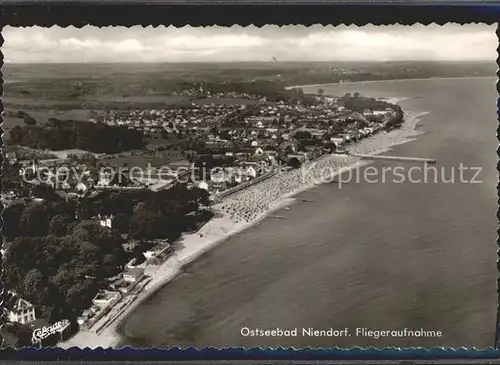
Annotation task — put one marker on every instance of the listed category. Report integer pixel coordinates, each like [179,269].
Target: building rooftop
[134,272]
[105,295]
[15,303]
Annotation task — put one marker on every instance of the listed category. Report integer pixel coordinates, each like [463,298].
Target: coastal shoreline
[387,80]
[237,215]
[222,228]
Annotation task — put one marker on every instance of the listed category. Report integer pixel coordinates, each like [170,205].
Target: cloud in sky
[215,44]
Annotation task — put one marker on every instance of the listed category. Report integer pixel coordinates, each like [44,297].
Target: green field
[72,91]
[70,84]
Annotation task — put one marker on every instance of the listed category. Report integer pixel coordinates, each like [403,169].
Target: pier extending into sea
[394,158]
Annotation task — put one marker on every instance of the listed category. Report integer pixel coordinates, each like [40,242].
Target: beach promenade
[240,211]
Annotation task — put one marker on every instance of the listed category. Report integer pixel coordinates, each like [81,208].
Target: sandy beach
[239,212]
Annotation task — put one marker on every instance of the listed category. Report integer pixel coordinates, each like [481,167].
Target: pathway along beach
[241,211]
[381,256]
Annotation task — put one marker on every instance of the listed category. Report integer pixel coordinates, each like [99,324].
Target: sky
[236,44]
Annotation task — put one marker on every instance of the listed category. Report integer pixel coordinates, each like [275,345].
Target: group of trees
[294,162]
[68,134]
[61,272]
[297,95]
[16,335]
[10,176]
[272,90]
[28,119]
[308,75]
[208,160]
[358,103]
[52,216]
[58,262]
[305,139]
[147,215]
[262,88]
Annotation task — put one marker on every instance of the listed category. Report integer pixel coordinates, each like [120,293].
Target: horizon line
[208,62]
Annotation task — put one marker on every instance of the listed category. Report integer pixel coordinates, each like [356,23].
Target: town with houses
[207,151]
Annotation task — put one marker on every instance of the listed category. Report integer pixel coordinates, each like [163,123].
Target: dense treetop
[59,256]
[67,134]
